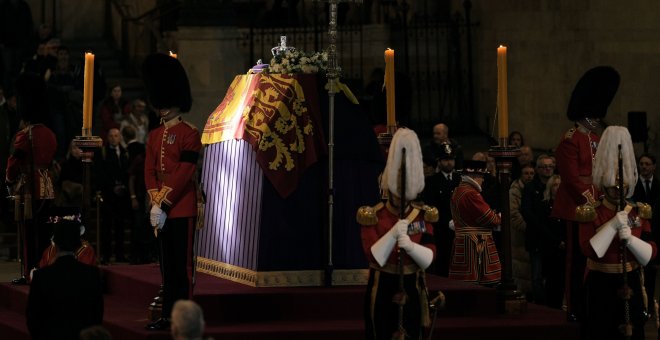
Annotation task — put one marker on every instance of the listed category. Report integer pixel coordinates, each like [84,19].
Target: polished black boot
[159,325]
[20,281]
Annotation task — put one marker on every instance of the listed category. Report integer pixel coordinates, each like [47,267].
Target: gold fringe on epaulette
[645,211]
[569,133]
[431,214]
[366,215]
[585,213]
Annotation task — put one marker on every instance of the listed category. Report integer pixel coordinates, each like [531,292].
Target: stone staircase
[109,58]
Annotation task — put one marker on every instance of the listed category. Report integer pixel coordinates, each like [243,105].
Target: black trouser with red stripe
[35,235]
[176,242]
[576,263]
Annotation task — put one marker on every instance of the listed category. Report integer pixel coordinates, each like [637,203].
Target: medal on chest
[416,228]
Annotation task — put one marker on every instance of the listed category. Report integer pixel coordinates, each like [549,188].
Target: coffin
[265,176]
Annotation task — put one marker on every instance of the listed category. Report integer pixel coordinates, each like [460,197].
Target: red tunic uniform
[169,167]
[170,164]
[474,257]
[84,254]
[42,149]
[604,279]
[574,156]
[386,219]
[381,315]
[640,228]
[34,150]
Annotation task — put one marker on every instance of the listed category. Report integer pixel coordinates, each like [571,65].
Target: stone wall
[550,45]
[75,19]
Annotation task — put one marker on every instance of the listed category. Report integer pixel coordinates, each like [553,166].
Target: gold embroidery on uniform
[153,193]
[161,196]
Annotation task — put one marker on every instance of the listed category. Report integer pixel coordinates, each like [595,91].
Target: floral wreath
[297,61]
[58,219]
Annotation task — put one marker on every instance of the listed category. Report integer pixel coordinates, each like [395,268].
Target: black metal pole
[509,299]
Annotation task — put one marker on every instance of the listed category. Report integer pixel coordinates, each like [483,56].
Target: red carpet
[236,311]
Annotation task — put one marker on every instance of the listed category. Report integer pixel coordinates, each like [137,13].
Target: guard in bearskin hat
[403,223]
[587,107]
[617,236]
[170,166]
[437,193]
[475,257]
[28,171]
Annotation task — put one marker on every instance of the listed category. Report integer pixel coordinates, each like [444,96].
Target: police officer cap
[593,93]
[31,97]
[446,151]
[166,82]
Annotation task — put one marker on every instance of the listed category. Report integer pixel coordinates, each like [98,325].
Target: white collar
[472,182]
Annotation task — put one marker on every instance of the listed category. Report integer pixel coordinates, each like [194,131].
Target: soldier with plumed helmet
[617,243]
[398,227]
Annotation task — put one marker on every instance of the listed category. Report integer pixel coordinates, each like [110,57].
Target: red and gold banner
[279,116]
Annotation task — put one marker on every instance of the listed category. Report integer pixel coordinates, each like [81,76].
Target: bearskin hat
[166,82]
[404,138]
[31,98]
[593,93]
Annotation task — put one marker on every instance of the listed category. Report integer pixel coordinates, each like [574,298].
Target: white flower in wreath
[275,68]
[309,69]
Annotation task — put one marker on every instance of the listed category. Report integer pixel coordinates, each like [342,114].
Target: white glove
[157,217]
[640,249]
[451,225]
[421,255]
[600,242]
[625,233]
[622,219]
[400,228]
[404,242]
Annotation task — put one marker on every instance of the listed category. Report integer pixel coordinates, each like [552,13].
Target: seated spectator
[440,137]
[516,138]
[70,182]
[137,118]
[187,321]
[520,261]
[525,158]
[66,296]
[113,109]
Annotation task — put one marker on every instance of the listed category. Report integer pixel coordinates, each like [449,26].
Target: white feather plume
[404,138]
[606,164]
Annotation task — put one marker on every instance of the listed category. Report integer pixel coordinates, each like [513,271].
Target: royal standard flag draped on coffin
[278,114]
